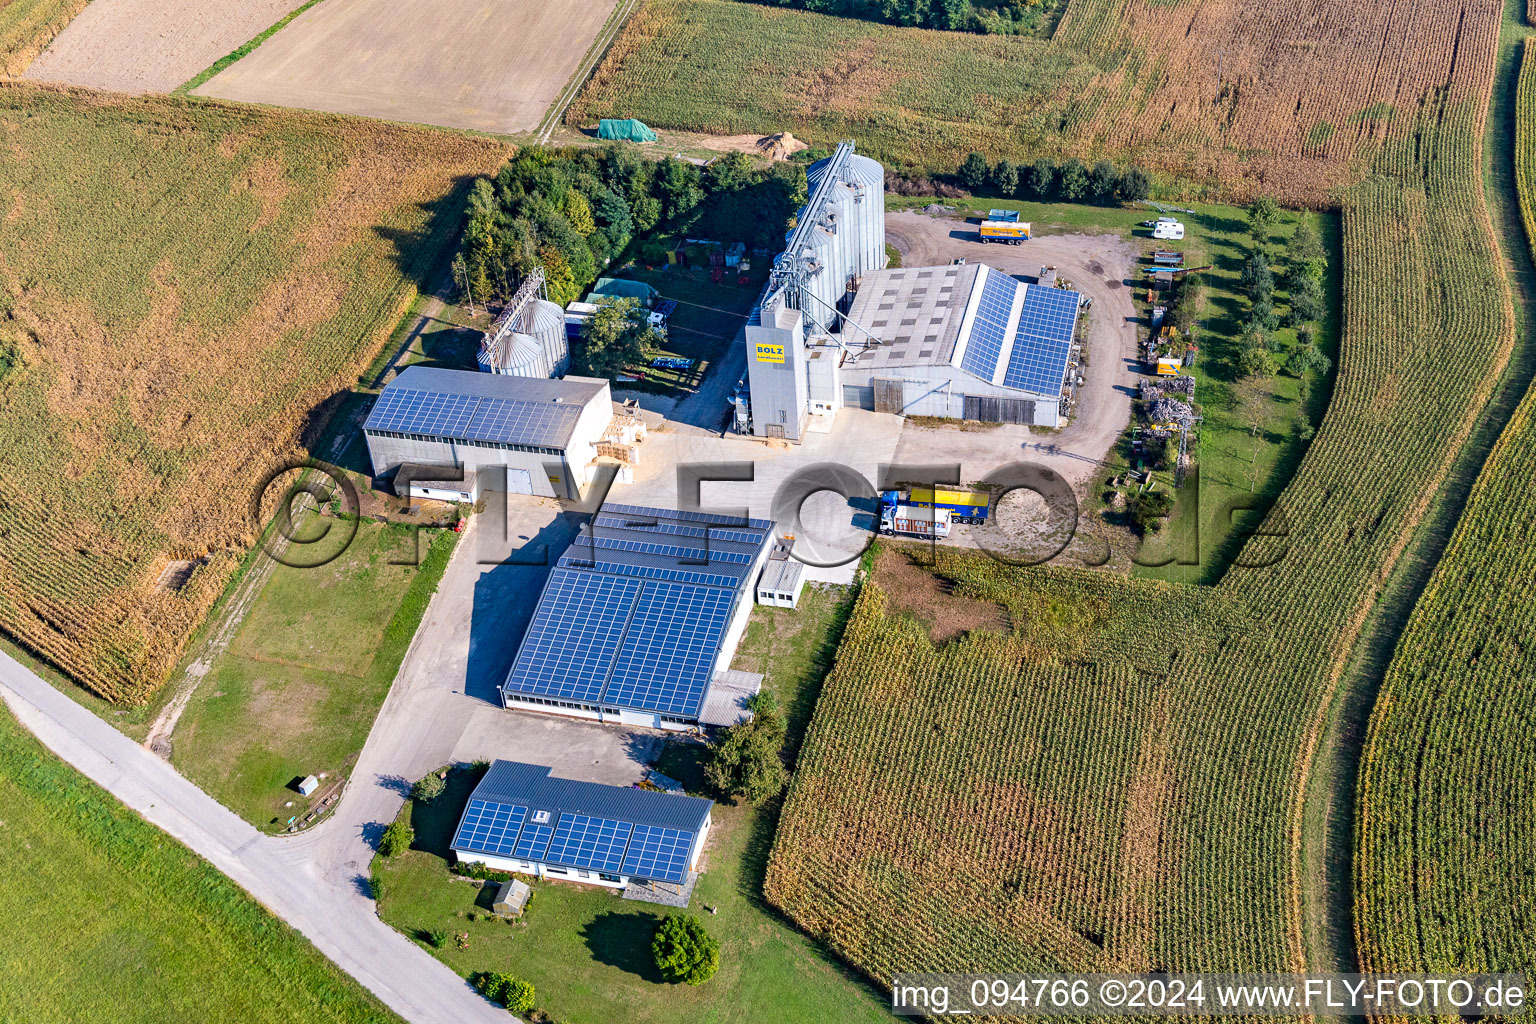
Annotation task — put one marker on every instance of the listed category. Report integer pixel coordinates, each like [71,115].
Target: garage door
[518,481]
[855,397]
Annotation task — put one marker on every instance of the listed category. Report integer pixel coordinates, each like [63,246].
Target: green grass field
[301,682]
[587,951]
[109,920]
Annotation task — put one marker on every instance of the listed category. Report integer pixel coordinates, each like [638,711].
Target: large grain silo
[840,234]
[528,338]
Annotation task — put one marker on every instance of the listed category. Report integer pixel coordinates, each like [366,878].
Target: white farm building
[451,434]
[835,328]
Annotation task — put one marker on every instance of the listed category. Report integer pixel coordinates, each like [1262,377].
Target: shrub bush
[684,951]
[397,838]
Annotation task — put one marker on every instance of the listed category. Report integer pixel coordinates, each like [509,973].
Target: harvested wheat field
[138,46]
[181,285]
[459,63]
[1287,98]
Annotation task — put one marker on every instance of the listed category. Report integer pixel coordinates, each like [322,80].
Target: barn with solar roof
[964,342]
[521,818]
[639,617]
[462,432]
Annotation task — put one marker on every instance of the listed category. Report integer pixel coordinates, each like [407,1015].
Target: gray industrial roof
[1020,336]
[635,832]
[635,610]
[781,575]
[473,406]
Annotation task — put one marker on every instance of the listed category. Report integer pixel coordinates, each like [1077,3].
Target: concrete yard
[138,46]
[494,67]
[1099,266]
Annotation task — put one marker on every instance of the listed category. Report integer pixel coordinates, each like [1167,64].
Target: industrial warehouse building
[638,618]
[458,433]
[835,328]
[520,818]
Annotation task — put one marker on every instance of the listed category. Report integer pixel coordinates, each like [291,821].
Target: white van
[1167,227]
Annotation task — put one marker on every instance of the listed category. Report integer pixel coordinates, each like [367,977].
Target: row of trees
[1071,180]
[1300,269]
[572,211]
[1010,17]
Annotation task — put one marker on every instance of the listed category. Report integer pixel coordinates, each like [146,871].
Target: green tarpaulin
[627,128]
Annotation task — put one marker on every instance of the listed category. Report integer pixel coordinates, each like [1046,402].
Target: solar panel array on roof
[464,405]
[683,515]
[989,328]
[635,611]
[596,844]
[491,827]
[520,811]
[1043,342]
[657,852]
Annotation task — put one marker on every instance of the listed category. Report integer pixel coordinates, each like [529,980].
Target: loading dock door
[890,396]
[518,481]
[855,397]
[999,410]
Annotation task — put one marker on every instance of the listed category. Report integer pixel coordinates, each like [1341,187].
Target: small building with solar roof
[521,818]
[639,616]
[463,432]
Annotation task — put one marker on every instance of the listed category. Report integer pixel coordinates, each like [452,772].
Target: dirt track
[138,46]
[1100,267]
[492,67]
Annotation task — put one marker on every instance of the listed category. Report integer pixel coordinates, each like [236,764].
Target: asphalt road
[331,912]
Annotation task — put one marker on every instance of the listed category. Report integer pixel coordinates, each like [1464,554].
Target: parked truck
[966,507]
[898,518]
[1010,232]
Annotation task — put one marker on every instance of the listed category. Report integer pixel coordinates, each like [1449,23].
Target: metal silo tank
[545,321]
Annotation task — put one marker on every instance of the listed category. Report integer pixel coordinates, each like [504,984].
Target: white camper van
[1167,227]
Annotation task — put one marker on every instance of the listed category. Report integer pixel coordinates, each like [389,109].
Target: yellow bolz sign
[770,353]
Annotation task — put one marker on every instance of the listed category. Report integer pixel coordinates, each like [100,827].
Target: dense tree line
[573,211]
[1301,270]
[1071,180]
[1003,17]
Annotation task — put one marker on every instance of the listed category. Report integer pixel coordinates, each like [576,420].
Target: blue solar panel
[671,550]
[641,513]
[1043,343]
[422,412]
[474,417]
[533,842]
[490,827]
[989,328]
[650,572]
[586,842]
[681,530]
[574,635]
[670,649]
[658,853]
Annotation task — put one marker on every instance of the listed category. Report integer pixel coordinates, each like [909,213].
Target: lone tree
[397,838]
[684,951]
[973,171]
[747,760]
[616,336]
[1262,214]
[428,788]
[1005,178]
[1135,185]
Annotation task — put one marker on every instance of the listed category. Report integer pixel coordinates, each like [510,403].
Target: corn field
[181,285]
[1158,750]
[1290,99]
[1445,878]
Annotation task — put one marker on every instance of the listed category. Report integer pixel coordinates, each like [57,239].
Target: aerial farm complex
[836,328]
[706,510]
